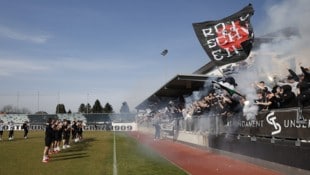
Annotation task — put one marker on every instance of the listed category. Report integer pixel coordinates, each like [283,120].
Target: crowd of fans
[294,91]
[291,91]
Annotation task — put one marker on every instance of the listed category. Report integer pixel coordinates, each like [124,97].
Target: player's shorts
[48,142]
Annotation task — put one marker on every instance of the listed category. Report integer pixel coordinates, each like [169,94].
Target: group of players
[58,133]
[10,127]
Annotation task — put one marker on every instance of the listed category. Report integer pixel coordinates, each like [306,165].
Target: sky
[77,51]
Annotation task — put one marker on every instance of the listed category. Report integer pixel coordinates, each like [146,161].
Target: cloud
[10,67]
[16,35]
[93,64]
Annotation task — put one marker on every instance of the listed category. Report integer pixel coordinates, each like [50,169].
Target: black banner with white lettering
[278,123]
[227,40]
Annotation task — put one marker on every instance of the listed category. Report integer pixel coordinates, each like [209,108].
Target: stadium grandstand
[189,110]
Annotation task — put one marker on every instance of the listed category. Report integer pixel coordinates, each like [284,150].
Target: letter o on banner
[116,128]
[123,128]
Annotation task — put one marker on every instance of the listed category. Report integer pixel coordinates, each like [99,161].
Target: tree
[97,108]
[88,108]
[124,108]
[108,108]
[82,108]
[60,109]
[7,109]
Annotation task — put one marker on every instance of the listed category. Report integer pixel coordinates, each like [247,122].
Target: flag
[229,90]
[164,52]
[227,40]
[293,75]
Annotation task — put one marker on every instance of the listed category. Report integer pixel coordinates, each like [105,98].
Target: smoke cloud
[287,14]
[287,21]
[288,49]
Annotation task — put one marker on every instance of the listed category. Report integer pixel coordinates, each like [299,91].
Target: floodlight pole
[87,103]
[17,100]
[38,101]
[58,96]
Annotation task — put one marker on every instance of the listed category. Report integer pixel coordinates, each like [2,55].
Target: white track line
[114,157]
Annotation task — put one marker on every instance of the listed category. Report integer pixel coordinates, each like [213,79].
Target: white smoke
[284,52]
[283,15]
[245,81]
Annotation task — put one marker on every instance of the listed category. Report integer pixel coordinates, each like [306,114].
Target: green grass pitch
[92,156]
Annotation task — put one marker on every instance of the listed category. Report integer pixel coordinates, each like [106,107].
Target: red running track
[201,162]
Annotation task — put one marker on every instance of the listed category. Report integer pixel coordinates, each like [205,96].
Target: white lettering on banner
[219,27]
[124,126]
[229,52]
[252,123]
[230,33]
[217,55]
[226,34]
[270,118]
[207,32]
[221,40]
[211,43]
[294,124]
[244,18]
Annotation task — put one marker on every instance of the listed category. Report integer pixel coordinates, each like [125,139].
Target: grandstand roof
[205,68]
[178,86]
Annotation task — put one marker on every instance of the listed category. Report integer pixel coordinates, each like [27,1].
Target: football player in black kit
[48,139]
[25,127]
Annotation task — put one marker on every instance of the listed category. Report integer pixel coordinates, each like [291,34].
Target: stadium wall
[99,121]
[279,136]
